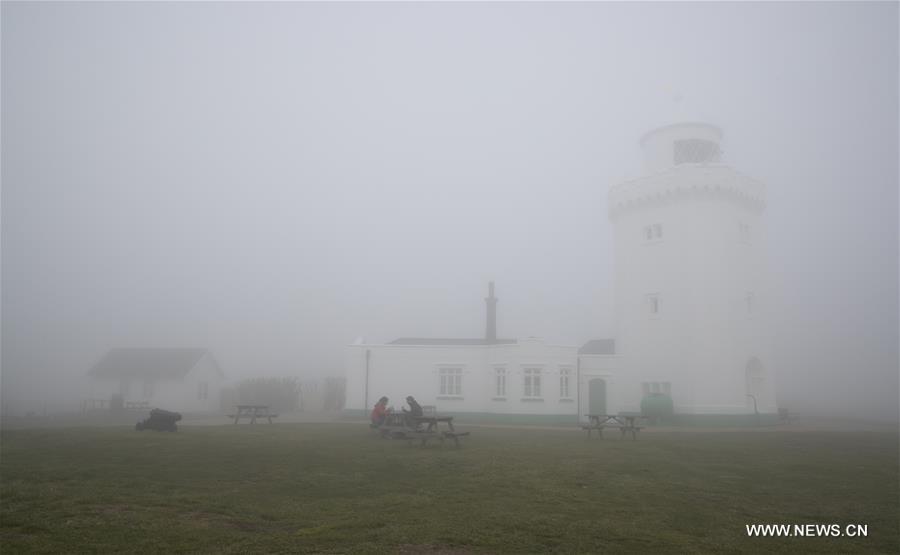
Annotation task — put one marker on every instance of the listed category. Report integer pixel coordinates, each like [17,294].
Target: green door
[597,396]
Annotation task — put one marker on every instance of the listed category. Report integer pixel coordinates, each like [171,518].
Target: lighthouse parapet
[685,181]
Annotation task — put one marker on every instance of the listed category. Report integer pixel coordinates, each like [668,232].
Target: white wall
[205,371]
[607,368]
[178,395]
[702,270]
[401,370]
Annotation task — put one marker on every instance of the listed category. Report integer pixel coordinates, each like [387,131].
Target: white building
[690,279]
[180,380]
[487,375]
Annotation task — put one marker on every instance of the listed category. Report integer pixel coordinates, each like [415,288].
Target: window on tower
[656,388]
[695,151]
[744,231]
[653,232]
[653,304]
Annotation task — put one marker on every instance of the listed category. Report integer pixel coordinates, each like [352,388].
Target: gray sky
[272,181]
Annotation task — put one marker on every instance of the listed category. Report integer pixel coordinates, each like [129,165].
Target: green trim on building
[564,420]
[490,418]
[724,420]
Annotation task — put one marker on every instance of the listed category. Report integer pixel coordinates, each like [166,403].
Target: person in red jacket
[380,412]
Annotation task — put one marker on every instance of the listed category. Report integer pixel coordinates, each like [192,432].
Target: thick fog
[273,181]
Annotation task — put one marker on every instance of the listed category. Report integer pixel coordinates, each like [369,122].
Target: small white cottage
[182,380]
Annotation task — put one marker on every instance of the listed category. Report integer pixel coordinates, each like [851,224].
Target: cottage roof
[148,363]
[450,341]
[598,347]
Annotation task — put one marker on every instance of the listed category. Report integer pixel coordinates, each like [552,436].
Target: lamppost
[755,408]
[366,406]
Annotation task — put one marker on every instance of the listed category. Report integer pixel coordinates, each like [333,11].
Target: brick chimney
[490,333]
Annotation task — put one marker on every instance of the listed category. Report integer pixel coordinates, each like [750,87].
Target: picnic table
[398,425]
[252,412]
[625,423]
[433,421]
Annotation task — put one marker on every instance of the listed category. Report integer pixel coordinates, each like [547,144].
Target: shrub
[280,394]
[657,407]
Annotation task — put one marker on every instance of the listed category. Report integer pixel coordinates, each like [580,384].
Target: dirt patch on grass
[113,509]
[203,519]
[244,525]
[415,549]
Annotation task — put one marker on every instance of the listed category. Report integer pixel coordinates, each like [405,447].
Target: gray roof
[449,341]
[148,363]
[598,347]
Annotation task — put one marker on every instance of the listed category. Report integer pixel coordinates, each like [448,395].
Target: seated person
[415,410]
[380,412]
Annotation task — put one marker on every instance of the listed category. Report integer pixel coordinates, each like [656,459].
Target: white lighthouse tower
[690,278]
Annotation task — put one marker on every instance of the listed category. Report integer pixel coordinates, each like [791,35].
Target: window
[653,304]
[744,231]
[653,232]
[202,390]
[750,303]
[564,374]
[656,388]
[451,381]
[500,382]
[532,382]
[695,151]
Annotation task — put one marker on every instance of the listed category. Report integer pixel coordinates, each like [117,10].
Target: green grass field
[338,488]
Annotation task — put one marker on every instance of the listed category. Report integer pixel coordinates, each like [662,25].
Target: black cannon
[160,420]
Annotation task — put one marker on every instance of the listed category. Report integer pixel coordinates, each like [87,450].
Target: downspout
[755,409]
[578,389]
[366,407]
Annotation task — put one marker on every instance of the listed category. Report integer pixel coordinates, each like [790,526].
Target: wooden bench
[252,412]
[625,424]
[396,427]
[454,436]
